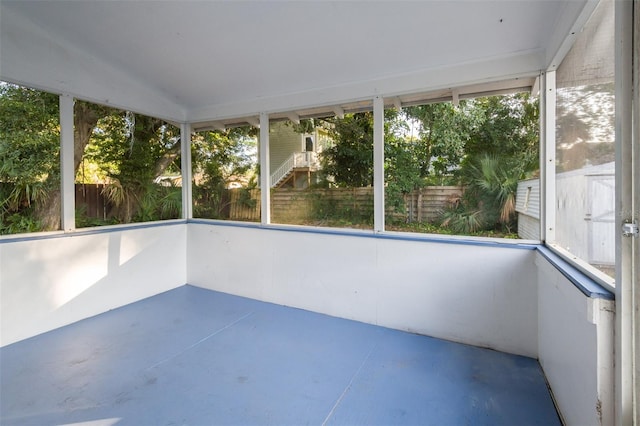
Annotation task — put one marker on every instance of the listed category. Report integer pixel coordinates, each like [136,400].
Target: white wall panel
[51,282]
[575,339]
[479,295]
[475,294]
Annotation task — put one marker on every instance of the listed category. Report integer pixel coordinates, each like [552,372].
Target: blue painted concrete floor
[197,357]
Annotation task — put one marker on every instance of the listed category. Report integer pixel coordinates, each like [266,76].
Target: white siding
[528,198]
[528,208]
[528,227]
[283,141]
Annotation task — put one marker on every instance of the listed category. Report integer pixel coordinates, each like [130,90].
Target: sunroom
[198,319]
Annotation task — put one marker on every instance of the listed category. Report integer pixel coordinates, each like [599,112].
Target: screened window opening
[322,171]
[585,144]
[225,174]
[127,167]
[30,195]
[466,169]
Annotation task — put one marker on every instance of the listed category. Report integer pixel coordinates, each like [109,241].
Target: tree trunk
[164,161]
[85,119]
[49,211]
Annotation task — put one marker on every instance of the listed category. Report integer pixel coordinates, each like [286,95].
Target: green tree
[29,158]
[444,133]
[219,159]
[403,160]
[350,160]
[500,151]
[509,129]
[134,151]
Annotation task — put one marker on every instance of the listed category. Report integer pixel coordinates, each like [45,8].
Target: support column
[187,172]
[265,172]
[378,164]
[548,170]
[626,279]
[67,169]
[635,271]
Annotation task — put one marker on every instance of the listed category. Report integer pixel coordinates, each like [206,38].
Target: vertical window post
[185,148]
[265,173]
[626,277]
[548,178]
[67,169]
[378,164]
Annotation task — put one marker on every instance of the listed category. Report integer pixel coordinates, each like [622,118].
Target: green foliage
[29,155]
[487,144]
[222,158]
[420,227]
[462,221]
[133,151]
[20,222]
[350,160]
[85,221]
[445,131]
[503,150]
[246,199]
[489,199]
[509,129]
[341,210]
[403,161]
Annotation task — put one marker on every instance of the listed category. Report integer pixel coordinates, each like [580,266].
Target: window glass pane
[127,167]
[322,171]
[225,174]
[466,170]
[29,160]
[585,148]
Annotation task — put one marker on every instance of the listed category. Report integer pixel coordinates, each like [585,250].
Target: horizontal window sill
[586,284]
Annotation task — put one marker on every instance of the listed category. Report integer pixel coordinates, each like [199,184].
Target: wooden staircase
[298,162]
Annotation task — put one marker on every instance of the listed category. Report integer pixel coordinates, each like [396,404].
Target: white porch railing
[295,160]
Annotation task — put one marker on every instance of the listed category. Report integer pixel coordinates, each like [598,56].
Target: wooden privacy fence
[289,205]
[91,200]
[426,204]
[244,204]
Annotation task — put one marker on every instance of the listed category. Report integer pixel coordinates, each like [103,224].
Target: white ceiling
[197,61]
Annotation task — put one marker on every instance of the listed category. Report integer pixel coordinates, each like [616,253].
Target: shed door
[601,227]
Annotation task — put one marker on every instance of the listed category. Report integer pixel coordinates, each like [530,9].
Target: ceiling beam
[397,103]
[535,89]
[293,117]
[253,121]
[218,126]
[455,98]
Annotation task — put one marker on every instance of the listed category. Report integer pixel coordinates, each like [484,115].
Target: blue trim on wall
[584,283]
[369,234]
[90,231]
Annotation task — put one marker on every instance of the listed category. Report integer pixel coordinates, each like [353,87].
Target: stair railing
[297,159]
[283,170]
